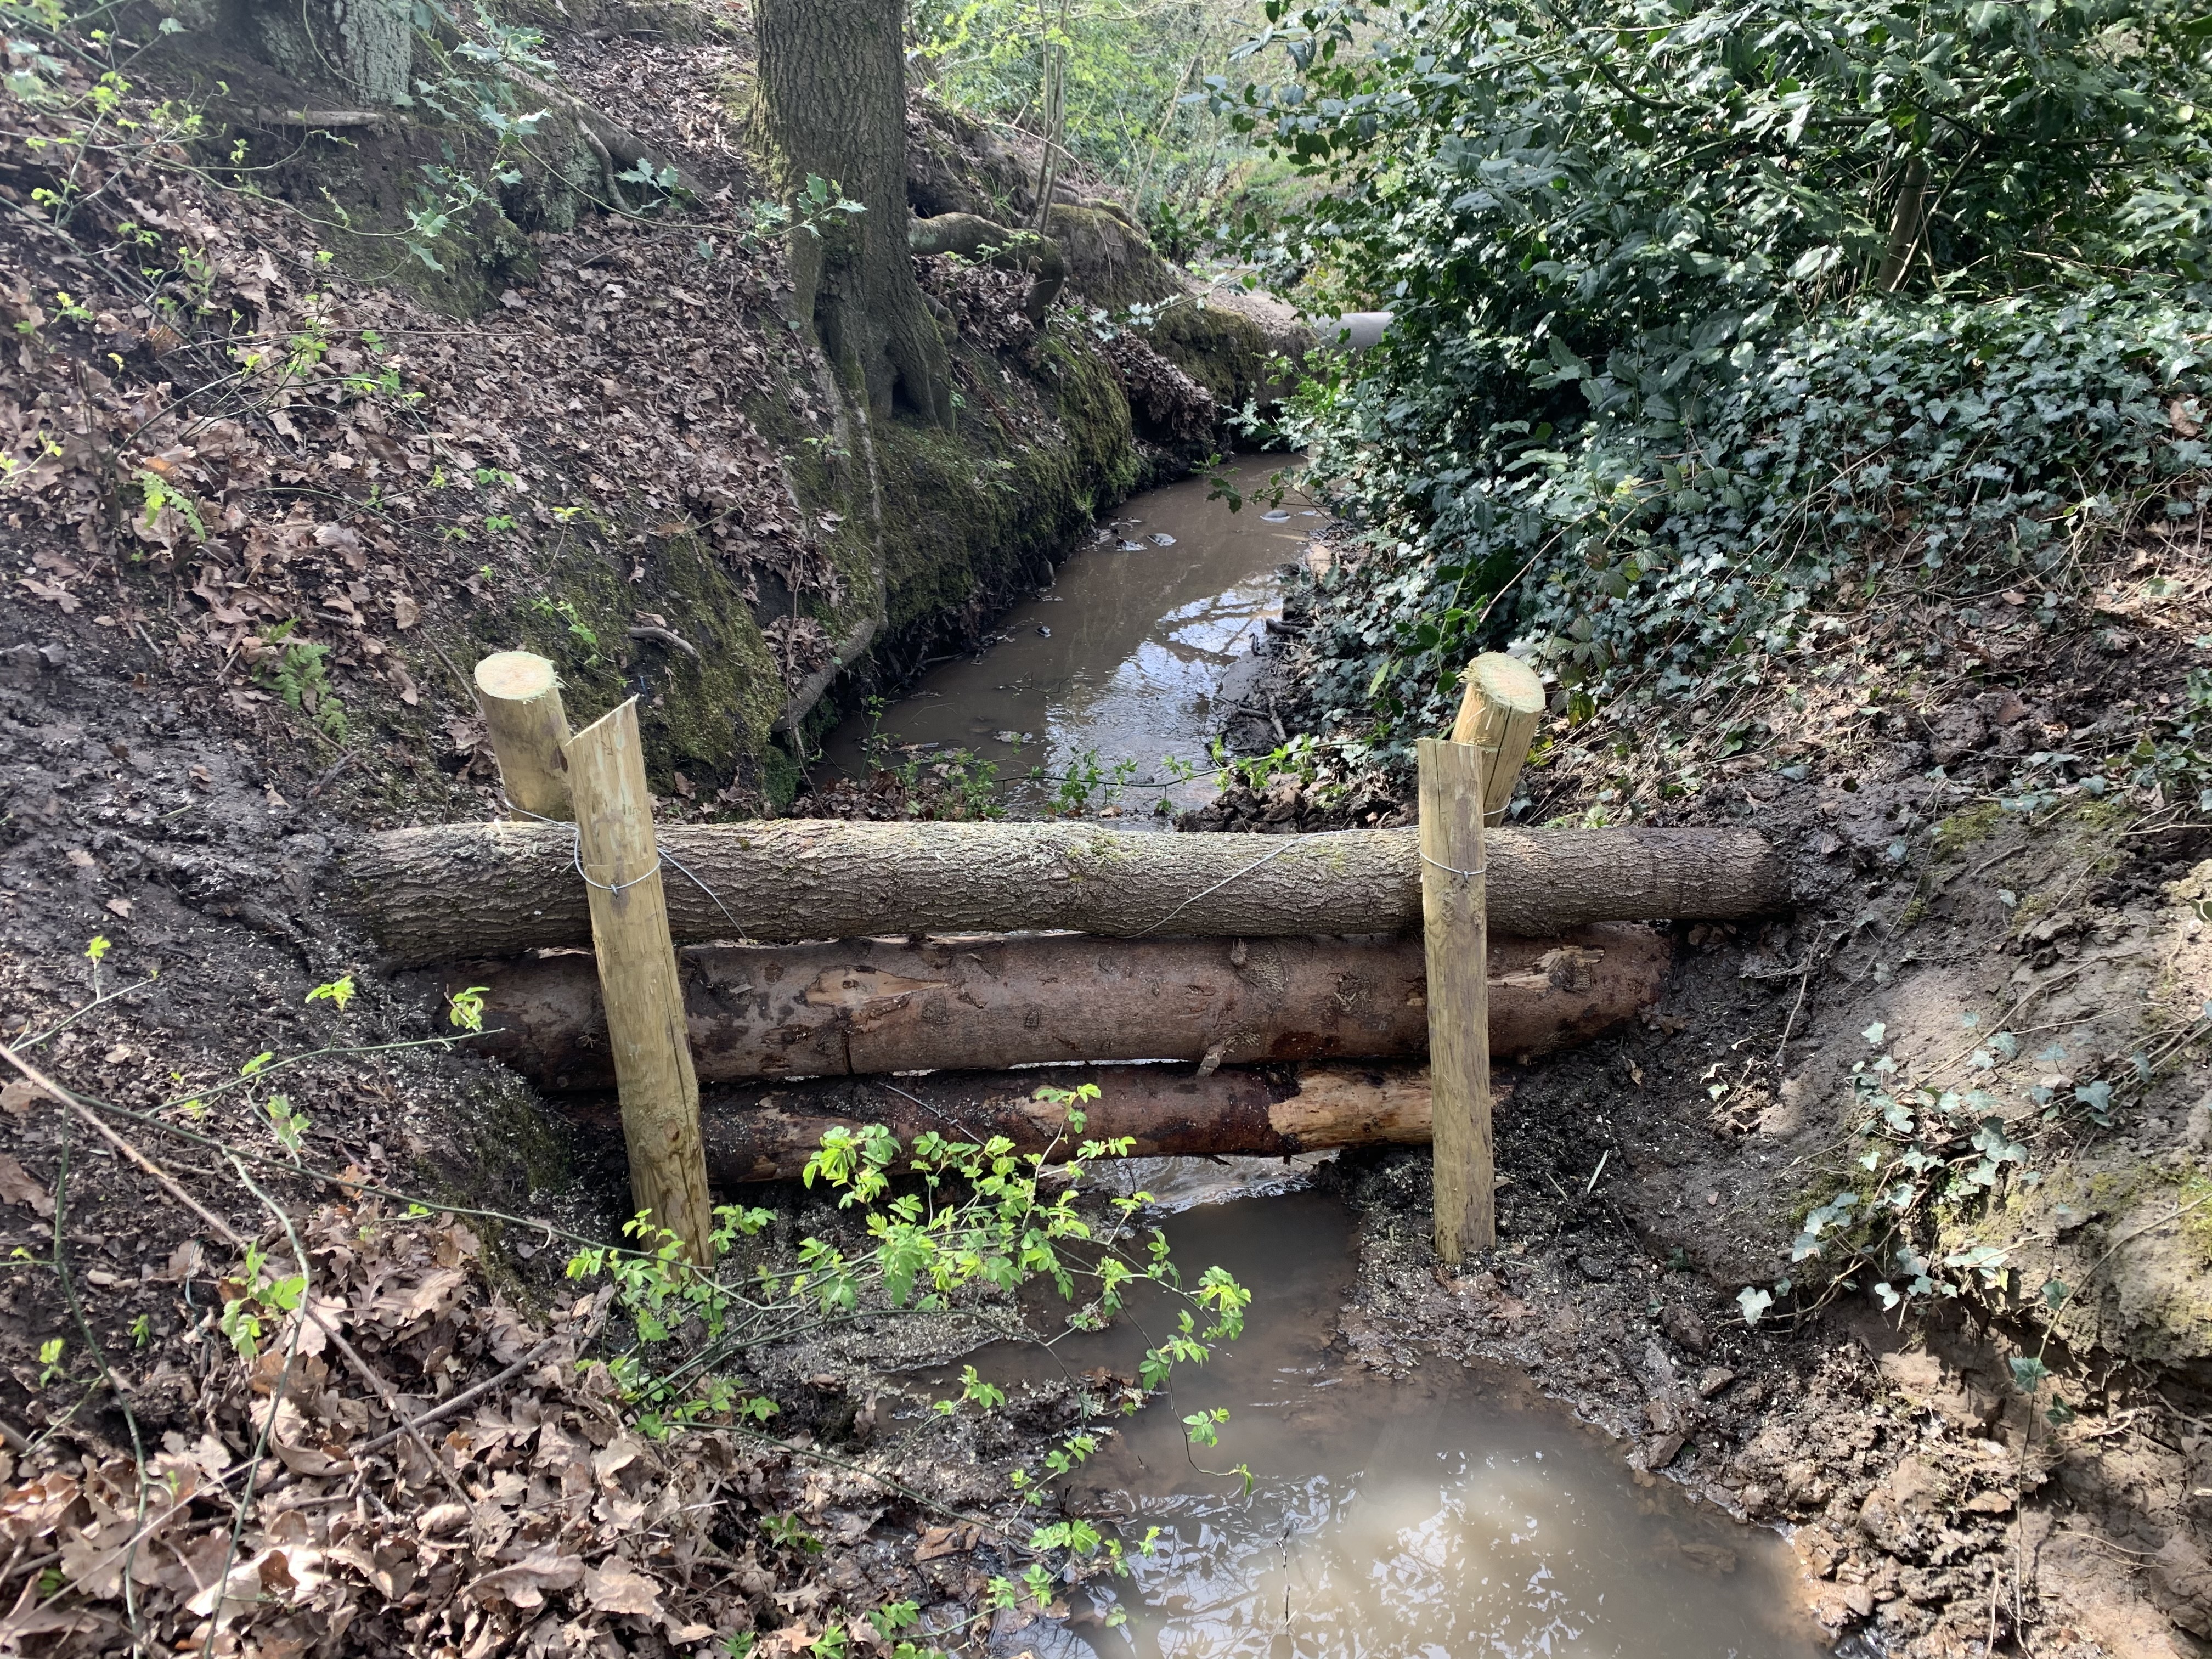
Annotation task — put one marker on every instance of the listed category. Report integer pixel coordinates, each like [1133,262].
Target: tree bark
[880,1006]
[497,890]
[834,74]
[763,1132]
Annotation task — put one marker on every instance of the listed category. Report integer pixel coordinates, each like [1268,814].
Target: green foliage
[1698,315]
[1940,1152]
[1131,111]
[298,670]
[946,1225]
[252,1297]
[564,611]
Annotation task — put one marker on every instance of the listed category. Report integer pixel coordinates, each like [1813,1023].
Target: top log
[433,894]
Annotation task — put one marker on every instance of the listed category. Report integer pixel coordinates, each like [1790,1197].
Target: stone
[1714,1379]
[1686,1328]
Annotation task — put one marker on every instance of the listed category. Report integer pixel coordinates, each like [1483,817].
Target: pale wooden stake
[520,697]
[1502,707]
[1455,931]
[638,981]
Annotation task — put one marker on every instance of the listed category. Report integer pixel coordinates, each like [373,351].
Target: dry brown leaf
[526,1581]
[18,1097]
[616,1587]
[17,1187]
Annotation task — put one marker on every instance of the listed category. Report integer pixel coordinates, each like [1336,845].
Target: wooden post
[638,981]
[1455,933]
[1503,706]
[520,695]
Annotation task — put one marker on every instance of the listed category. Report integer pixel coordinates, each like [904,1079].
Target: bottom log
[767,1132]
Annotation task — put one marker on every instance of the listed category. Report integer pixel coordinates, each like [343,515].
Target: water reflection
[1448,1513]
[1123,659]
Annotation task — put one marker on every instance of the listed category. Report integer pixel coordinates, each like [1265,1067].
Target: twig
[331,773]
[68,1283]
[222,1227]
[438,1413]
[668,637]
[1598,1171]
[368,1373]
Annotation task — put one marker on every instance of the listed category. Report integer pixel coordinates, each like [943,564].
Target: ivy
[1708,326]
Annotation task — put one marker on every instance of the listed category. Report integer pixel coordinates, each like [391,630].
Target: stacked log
[795,879]
[990,1003]
[763,1132]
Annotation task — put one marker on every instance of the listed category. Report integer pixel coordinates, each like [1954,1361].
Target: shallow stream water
[1121,659]
[1448,1514]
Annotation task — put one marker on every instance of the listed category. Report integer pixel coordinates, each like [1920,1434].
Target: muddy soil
[1950,888]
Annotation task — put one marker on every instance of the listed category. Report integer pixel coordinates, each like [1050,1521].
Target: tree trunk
[763,1132]
[875,1005]
[834,72]
[497,890]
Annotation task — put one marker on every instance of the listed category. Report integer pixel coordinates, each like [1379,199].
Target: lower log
[767,1132]
[985,1004]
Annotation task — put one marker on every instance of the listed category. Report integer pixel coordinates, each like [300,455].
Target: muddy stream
[1122,659]
[1448,1513]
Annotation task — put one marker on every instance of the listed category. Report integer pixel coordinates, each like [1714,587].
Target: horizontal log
[987,1003]
[767,1132]
[435,894]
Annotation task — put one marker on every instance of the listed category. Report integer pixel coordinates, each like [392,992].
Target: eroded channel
[1448,1512]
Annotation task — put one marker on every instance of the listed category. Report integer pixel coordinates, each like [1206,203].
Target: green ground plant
[947,1224]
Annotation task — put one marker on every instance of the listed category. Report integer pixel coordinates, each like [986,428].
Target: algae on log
[881,1006]
[434,894]
[835,76]
[768,1132]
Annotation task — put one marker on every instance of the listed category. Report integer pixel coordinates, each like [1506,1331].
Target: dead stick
[439,1412]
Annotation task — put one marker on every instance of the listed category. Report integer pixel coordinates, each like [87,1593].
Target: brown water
[1121,659]
[1449,1513]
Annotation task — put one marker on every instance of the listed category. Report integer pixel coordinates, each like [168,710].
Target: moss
[706,717]
[1224,351]
[2197,1224]
[1963,829]
[780,776]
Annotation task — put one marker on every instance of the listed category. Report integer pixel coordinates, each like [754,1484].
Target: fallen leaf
[17,1098]
[616,1588]
[52,594]
[526,1583]
[405,613]
[17,1187]
[82,860]
[121,906]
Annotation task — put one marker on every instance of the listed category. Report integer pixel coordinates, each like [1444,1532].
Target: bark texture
[766,1133]
[497,890]
[880,1006]
[834,75]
